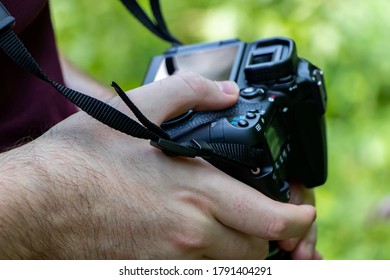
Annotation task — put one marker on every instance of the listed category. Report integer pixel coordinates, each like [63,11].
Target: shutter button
[251,92]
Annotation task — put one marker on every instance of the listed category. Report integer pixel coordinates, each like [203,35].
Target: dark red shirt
[29,106]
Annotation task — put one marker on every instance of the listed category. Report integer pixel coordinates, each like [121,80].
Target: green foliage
[349,40]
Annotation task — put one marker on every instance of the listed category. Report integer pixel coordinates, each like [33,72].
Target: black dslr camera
[280,111]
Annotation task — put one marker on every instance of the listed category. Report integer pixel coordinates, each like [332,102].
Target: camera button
[250,115]
[243,123]
[287,79]
[251,92]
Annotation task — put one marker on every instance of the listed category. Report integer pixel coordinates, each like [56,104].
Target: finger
[196,234]
[253,213]
[177,94]
[289,244]
[300,194]
[306,248]
[231,244]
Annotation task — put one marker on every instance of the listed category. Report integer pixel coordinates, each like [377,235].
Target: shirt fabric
[28,105]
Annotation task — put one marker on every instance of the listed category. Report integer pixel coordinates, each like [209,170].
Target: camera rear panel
[277,93]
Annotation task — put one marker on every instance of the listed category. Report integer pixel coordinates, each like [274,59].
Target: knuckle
[189,240]
[190,235]
[277,228]
[195,82]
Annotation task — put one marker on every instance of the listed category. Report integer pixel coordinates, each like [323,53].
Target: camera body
[280,110]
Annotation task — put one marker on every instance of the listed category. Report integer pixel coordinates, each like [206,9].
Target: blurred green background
[349,40]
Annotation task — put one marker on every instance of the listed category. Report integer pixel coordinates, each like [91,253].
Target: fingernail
[228,87]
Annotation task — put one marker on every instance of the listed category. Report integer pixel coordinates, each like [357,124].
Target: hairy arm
[47,196]
[24,215]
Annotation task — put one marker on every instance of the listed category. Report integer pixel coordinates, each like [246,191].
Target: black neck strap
[159,27]
[99,110]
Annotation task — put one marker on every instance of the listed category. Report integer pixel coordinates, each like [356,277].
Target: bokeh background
[349,40]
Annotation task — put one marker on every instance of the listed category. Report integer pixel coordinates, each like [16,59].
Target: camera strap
[15,49]
[159,27]
[101,111]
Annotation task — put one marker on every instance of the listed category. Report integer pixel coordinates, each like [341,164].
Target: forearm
[21,204]
[45,201]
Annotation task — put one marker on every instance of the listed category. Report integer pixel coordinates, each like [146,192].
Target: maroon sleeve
[29,106]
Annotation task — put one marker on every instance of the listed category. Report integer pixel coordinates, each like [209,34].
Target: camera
[280,111]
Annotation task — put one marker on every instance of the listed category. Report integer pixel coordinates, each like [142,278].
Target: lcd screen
[214,64]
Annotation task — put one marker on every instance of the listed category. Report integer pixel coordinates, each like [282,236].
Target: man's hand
[86,191]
